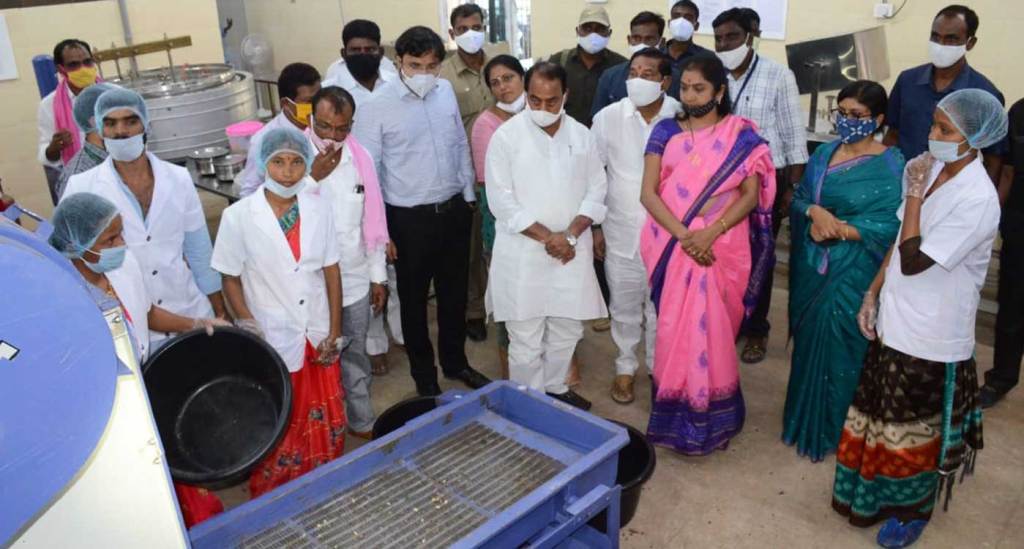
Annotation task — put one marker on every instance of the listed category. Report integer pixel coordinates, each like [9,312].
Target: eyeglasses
[837,113]
[75,65]
[495,82]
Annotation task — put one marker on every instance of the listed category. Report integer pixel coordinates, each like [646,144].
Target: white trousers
[540,350]
[377,336]
[631,310]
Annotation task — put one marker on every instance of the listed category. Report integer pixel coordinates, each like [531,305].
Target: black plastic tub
[397,416]
[221,404]
[636,465]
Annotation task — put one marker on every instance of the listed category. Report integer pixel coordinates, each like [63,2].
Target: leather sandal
[622,389]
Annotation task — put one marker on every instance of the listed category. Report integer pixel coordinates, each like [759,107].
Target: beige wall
[35,31]
[553,22]
[310,31]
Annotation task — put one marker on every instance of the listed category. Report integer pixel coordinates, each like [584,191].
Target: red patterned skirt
[197,504]
[316,429]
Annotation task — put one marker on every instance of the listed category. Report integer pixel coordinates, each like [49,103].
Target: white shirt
[288,298]
[536,178]
[253,174]
[772,100]
[129,283]
[358,267]
[48,126]
[621,134]
[931,314]
[338,75]
[157,241]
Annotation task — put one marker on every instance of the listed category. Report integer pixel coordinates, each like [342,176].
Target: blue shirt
[912,105]
[418,145]
[611,87]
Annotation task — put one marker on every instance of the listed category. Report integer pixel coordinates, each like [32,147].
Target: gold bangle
[725,228]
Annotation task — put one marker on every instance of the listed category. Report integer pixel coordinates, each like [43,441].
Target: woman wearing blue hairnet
[87,229]
[915,419]
[277,252]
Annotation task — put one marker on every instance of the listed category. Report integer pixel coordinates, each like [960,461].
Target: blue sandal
[896,535]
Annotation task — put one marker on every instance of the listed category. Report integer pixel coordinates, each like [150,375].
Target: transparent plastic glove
[208,324]
[868,315]
[918,171]
[250,325]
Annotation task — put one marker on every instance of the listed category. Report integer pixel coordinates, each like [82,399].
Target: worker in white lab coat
[545,185]
[621,131]
[164,224]
[278,252]
[60,138]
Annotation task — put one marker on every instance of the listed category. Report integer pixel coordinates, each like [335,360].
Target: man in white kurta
[545,186]
[621,131]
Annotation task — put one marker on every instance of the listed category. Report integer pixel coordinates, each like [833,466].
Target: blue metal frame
[554,513]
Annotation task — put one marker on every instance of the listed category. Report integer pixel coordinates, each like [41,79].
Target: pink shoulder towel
[64,117]
[375,225]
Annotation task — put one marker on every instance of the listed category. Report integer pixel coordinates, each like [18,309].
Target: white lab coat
[156,241]
[621,134]
[931,314]
[533,177]
[129,283]
[287,298]
[47,125]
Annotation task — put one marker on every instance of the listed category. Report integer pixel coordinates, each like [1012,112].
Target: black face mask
[363,66]
[700,111]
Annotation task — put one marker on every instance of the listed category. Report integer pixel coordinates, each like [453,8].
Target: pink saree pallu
[697,403]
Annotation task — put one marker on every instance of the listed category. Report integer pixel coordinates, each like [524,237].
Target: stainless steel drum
[190,108]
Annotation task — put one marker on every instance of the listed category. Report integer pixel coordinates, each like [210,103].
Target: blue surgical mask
[947,151]
[281,190]
[127,149]
[853,130]
[110,259]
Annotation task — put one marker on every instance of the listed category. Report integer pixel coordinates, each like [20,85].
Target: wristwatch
[572,240]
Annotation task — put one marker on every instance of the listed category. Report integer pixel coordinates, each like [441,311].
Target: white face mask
[734,58]
[544,118]
[593,43]
[281,190]
[514,107]
[681,29]
[470,41]
[638,48]
[420,84]
[945,56]
[127,149]
[643,92]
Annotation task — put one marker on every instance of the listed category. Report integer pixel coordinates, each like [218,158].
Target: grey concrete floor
[759,493]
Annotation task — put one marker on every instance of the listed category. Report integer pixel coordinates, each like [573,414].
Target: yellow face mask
[82,77]
[302,112]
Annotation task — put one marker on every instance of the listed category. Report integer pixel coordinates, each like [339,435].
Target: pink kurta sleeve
[483,129]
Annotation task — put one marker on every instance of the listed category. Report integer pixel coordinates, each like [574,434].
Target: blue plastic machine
[499,467]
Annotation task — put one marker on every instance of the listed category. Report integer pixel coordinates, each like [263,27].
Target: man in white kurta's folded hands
[546,186]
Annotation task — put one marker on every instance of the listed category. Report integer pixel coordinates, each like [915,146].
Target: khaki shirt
[471,91]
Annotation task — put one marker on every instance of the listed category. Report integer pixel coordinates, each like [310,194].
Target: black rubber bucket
[397,416]
[636,465]
[221,404]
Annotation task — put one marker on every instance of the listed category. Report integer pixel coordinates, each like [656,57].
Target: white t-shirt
[930,315]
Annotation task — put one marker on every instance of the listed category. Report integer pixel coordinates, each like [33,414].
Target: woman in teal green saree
[843,220]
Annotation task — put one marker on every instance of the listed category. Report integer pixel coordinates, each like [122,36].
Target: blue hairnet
[120,98]
[85,105]
[78,221]
[978,115]
[286,139]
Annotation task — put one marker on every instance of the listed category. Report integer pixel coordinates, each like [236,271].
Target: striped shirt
[771,99]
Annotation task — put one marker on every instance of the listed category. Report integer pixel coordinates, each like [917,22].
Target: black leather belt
[439,207]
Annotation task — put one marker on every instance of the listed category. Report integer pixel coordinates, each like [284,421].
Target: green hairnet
[85,106]
[78,221]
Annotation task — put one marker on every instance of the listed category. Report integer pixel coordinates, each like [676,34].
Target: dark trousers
[1009,347]
[757,324]
[433,246]
[602,281]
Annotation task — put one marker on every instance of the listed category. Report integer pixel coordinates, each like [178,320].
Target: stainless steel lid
[209,152]
[186,79]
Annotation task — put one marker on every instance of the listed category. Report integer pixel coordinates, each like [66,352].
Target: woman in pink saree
[708,186]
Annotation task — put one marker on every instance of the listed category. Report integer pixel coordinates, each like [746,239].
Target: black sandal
[754,351]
